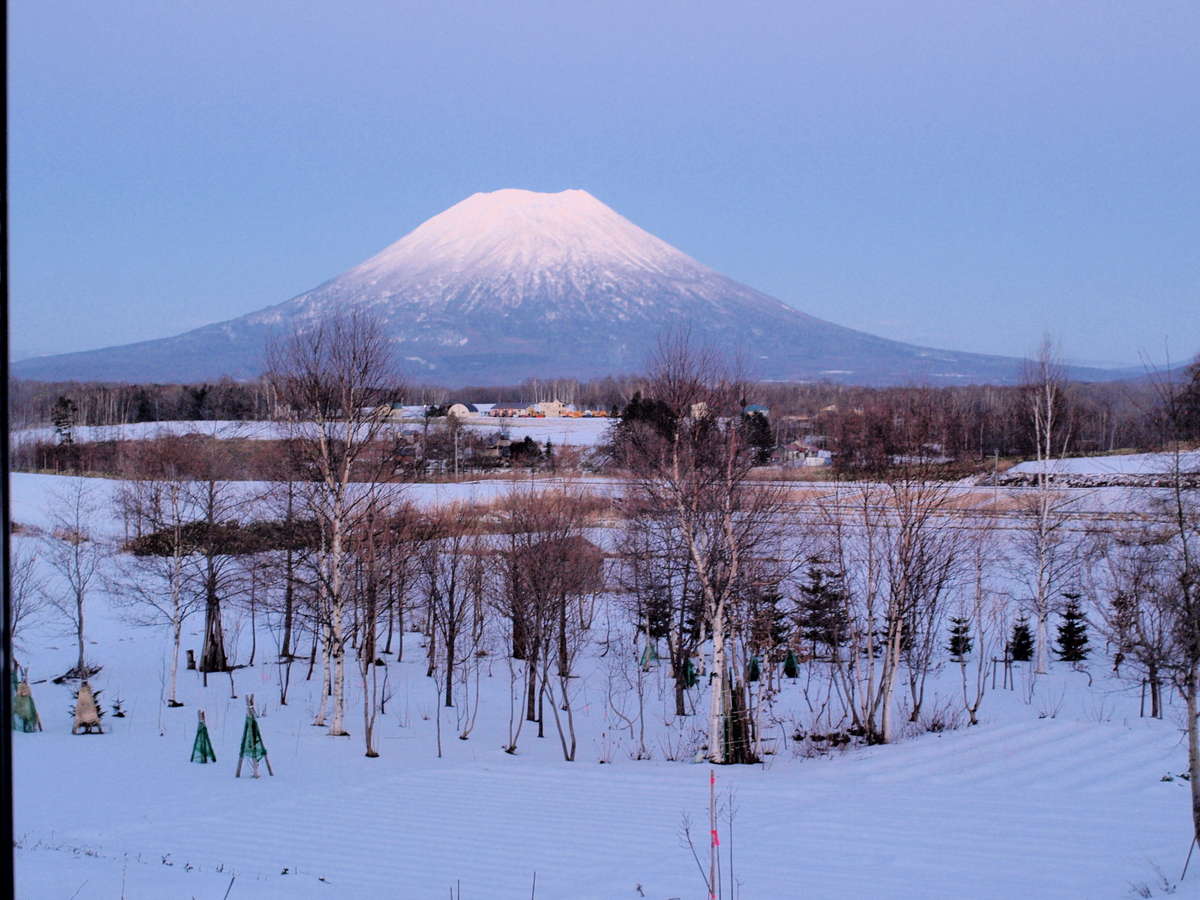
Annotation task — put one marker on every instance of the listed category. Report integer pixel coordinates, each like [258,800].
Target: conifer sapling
[1072,643]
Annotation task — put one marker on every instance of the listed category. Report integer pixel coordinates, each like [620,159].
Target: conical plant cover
[252,742]
[791,668]
[689,675]
[202,749]
[649,655]
[754,670]
[87,716]
[25,714]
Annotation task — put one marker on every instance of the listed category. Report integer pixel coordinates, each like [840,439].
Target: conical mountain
[516,284]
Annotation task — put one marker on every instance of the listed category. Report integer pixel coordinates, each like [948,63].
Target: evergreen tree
[1020,646]
[757,432]
[526,452]
[821,612]
[767,621]
[63,418]
[960,638]
[1072,643]
[639,412]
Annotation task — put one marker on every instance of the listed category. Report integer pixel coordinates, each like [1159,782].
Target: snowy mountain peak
[515,232]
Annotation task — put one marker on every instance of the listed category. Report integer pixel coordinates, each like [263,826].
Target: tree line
[862,424]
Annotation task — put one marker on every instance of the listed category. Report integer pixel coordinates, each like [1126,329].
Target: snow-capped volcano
[514,284]
[529,262]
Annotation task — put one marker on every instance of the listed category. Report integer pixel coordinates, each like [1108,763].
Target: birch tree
[330,380]
[1049,562]
[689,457]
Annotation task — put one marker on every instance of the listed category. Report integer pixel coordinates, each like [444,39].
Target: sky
[962,175]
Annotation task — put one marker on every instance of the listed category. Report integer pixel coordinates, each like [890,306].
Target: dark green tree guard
[791,669]
[202,748]
[253,747]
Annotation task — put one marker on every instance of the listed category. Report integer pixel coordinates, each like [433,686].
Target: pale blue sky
[961,174]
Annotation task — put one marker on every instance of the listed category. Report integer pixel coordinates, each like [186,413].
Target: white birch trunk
[716,706]
[178,632]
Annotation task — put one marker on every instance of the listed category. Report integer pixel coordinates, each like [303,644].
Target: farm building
[461,410]
[508,410]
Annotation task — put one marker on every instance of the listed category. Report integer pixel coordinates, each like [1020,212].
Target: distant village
[459,449]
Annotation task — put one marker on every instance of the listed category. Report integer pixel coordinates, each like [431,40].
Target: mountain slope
[515,284]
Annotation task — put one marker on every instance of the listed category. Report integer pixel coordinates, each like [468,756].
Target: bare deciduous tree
[152,581]
[75,552]
[27,597]
[983,611]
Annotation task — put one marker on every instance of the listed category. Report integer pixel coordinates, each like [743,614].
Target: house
[508,410]
[389,411]
[551,409]
[804,453]
[496,451]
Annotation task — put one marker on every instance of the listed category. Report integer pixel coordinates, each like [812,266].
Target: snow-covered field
[560,431]
[1119,464]
[1058,794]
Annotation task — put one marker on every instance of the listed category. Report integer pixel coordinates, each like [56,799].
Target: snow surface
[1060,796]
[1127,464]
[562,431]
